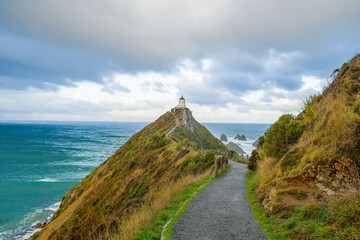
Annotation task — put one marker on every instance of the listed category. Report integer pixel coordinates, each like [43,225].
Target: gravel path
[221,211]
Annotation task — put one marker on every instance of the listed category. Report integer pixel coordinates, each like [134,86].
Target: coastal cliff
[127,190]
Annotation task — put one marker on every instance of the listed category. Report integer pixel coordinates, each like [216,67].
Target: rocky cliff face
[99,206]
[189,120]
[235,147]
[195,132]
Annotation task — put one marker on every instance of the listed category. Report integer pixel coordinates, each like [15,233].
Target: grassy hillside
[126,191]
[307,166]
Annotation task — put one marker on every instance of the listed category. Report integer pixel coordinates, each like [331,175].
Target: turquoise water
[41,161]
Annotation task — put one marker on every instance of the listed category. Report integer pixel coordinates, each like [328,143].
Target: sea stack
[223,138]
[241,138]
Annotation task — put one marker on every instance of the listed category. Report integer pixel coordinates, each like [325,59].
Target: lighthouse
[181,103]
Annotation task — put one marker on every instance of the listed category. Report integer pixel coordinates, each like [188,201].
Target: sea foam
[47,180]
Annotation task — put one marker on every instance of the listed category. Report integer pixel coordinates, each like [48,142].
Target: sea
[41,161]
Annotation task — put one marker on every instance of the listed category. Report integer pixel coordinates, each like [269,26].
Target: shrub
[308,112]
[197,163]
[142,191]
[261,141]
[120,182]
[52,234]
[290,159]
[36,236]
[356,106]
[281,135]
[252,165]
[157,141]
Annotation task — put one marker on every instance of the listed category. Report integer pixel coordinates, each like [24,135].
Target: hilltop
[126,191]
[307,166]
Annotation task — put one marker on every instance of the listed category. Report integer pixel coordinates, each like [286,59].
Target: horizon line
[96,121]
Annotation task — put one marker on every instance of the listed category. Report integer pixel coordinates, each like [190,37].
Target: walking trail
[173,129]
[220,211]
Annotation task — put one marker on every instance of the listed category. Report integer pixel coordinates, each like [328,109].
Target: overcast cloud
[234,61]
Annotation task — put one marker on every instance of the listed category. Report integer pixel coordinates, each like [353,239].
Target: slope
[313,160]
[136,175]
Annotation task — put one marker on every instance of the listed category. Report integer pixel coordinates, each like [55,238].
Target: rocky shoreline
[29,232]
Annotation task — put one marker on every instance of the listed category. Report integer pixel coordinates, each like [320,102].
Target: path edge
[184,206]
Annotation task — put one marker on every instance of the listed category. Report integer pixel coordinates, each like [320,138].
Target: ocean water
[251,131]
[41,161]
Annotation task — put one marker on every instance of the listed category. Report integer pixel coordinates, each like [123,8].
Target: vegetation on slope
[307,166]
[196,135]
[127,191]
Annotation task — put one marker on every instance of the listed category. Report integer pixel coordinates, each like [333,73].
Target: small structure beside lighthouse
[181,103]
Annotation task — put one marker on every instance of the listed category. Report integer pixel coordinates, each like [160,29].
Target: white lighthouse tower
[181,103]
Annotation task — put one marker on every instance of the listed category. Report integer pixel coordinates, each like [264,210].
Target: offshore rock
[223,138]
[255,144]
[241,138]
[235,147]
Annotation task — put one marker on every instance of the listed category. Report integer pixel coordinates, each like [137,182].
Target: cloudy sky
[110,60]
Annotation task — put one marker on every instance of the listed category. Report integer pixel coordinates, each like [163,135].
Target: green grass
[307,222]
[337,219]
[173,211]
[269,223]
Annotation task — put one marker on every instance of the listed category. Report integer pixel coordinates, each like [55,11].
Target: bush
[36,236]
[252,165]
[157,141]
[142,191]
[281,135]
[290,159]
[234,156]
[261,141]
[197,163]
[308,112]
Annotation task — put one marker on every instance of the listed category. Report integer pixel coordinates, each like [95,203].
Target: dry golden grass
[330,137]
[144,215]
[321,143]
[266,166]
[329,147]
[268,170]
[66,215]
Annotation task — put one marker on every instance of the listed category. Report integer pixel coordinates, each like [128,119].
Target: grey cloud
[26,61]
[157,33]
[159,87]
[114,88]
[43,43]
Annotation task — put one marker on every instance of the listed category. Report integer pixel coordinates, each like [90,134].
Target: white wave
[247,146]
[26,234]
[27,226]
[84,163]
[47,180]
[54,207]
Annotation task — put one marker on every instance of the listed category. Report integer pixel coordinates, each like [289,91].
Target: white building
[181,103]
